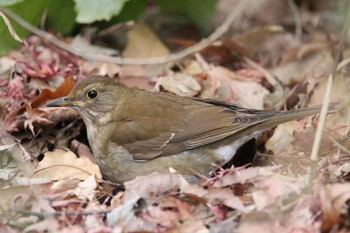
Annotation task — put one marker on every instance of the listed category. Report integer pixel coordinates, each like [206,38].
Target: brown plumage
[134,132]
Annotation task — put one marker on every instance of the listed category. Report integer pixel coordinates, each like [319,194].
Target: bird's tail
[272,119]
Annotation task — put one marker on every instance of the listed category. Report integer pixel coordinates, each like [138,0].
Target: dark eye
[91,94]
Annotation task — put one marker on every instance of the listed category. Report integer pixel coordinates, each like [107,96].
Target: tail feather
[272,120]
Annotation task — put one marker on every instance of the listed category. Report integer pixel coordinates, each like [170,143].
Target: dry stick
[270,78]
[297,17]
[132,61]
[10,28]
[46,214]
[326,101]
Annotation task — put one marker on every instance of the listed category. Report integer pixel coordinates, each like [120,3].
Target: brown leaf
[151,185]
[47,94]
[179,84]
[143,42]
[334,204]
[61,164]
[215,196]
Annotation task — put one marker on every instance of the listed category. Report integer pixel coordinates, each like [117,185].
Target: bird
[133,132]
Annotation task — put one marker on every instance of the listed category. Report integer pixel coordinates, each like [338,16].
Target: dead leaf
[282,139]
[99,68]
[143,43]
[249,94]
[47,94]
[37,115]
[175,215]
[216,196]
[61,164]
[151,185]
[253,39]
[316,64]
[303,141]
[241,176]
[334,204]
[179,84]
[86,189]
[275,188]
[126,213]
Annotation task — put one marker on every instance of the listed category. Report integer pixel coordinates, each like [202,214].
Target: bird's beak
[60,102]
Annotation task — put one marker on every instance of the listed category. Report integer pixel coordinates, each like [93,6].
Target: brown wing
[180,124]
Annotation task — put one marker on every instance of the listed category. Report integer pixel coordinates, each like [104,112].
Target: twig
[269,77]
[116,28]
[10,28]
[326,100]
[340,146]
[56,213]
[278,89]
[297,17]
[132,61]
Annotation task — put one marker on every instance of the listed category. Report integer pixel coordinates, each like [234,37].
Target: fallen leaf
[216,196]
[150,186]
[126,213]
[61,164]
[99,68]
[249,94]
[334,202]
[175,215]
[47,94]
[281,140]
[86,189]
[179,84]
[143,43]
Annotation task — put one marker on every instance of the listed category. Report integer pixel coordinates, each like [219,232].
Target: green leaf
[30,12]
[89,11]
[60,16]
[132,10]
[199,12]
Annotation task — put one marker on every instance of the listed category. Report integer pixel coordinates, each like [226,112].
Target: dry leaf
[144,43]
[282,138]
[179,84]
[242,176]
[274,189]
[334,204]
[99,68]
[249,94]
[151,185]
[47,94]
[126,213]
[316,64]
[86,189]
[216,196]
[174,214]
[252,40]
[61,164]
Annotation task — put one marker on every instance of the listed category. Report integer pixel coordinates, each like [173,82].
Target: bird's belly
[186,163]
[119,166]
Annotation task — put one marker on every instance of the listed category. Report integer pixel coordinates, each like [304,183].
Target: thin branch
[57,213]
[10,28]
[132,61]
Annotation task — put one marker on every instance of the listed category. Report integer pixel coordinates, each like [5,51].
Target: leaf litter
[50,181]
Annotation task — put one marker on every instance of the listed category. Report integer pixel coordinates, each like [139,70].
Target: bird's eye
[91,94]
